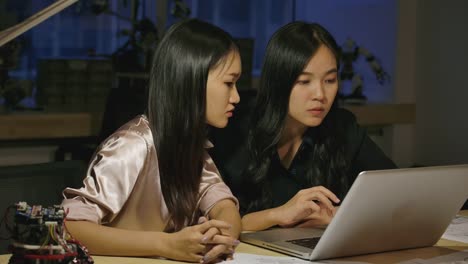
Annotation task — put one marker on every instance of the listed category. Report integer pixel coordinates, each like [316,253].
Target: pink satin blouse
[122,186]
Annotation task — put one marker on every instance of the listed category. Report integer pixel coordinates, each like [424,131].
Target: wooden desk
[388,257]
[67,125]
[443,247]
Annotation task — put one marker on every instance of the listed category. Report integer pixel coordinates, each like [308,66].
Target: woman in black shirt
[302,152]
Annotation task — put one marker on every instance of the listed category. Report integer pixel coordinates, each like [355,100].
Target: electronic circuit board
[38,235]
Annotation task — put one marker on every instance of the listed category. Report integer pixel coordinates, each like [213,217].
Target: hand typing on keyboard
[319,218]
[312,204]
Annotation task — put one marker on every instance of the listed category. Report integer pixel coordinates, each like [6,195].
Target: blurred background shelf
[25,126]
[383,114]
[71,125]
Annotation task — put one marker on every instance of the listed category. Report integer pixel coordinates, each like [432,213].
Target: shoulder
[348,130]
[138,125]
[132,136]
[125,154]
[346,122]
[345,117]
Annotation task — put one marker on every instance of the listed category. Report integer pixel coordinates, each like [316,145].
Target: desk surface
[443,247]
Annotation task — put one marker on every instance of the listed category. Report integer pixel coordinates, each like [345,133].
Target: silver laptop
[384,210]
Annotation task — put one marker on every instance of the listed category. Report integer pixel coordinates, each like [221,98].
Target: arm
[272,217]
[110,184]
[187,244]
[224,242]
[217,202]
[110,181]
[261,220]
[226,210]
[216,199]
[113,241]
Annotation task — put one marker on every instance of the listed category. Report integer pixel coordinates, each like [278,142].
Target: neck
[290,141]
[292,132]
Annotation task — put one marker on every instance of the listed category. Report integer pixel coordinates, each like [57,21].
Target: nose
[318,92]
[234,97]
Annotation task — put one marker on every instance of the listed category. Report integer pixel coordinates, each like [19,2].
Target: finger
[329,212]
[229,251]
[202,220]
[208,248]
[213,223]
[209,235]
[332,212]
[218,259]
[322,190]
[226,252]
[326,192]
[214,253]
[316,220]
[225,240]
[312,196]
[222,258]
[318,196]
[315,208]
[325,207]
[198,249]
[195,257]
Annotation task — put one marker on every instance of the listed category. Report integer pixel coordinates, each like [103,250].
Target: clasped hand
[205,242]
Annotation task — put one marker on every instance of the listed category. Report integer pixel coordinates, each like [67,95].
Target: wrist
[275,216]
[162,244]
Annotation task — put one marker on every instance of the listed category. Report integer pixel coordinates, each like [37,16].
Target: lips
[230,112]
[316,110]
[231,109]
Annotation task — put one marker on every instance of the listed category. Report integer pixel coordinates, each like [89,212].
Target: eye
[331,81]
[303,82]
[229,84]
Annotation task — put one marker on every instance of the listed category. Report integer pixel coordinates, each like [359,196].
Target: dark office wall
[441,134]
[404,81]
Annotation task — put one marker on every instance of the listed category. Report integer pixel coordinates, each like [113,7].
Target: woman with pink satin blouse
[151,188]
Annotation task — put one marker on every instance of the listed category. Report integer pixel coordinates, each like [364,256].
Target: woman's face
[315,89]
[221,90]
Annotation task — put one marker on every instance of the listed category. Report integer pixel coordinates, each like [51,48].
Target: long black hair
[177,109]
[288,52]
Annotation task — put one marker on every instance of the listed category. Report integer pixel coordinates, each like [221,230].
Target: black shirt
[231,157]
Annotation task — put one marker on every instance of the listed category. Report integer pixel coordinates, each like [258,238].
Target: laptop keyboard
[306,242]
